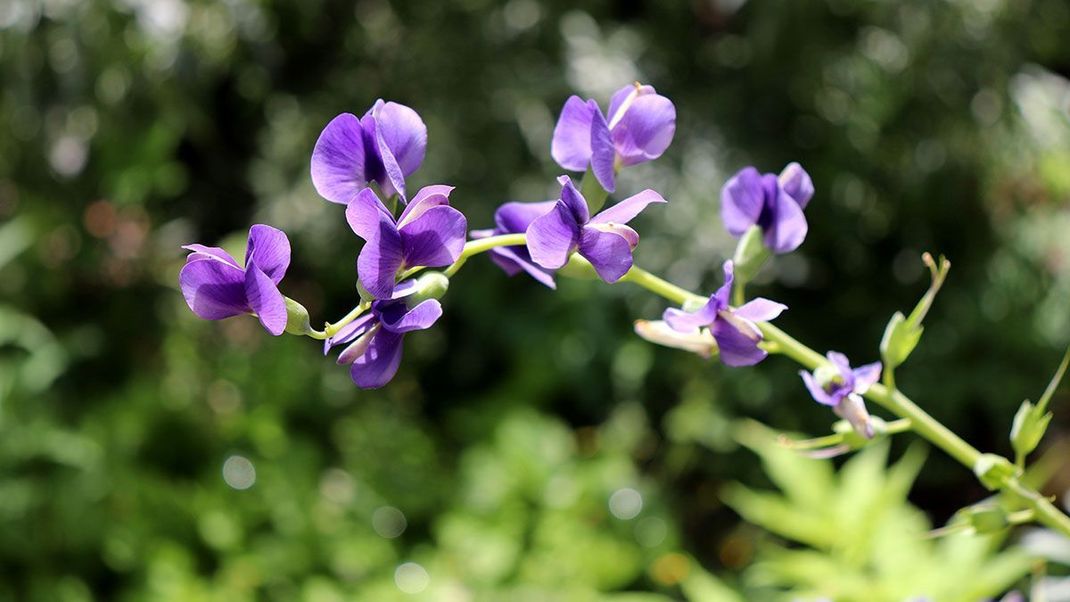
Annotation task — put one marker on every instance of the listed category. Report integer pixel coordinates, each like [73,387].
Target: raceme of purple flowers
[733,329]
[639,127]
[773,203]
[355,160]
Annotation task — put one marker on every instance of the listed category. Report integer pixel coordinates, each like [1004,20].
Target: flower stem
[332,329]
[891,399]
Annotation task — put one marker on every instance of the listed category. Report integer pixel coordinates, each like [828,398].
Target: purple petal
[724,293]
[514,259]
[574,200]
[626,210]
[404,289]
[645,130]
[268,249]
[603,153]
[426,198]
[819,394]
[840,362]
[359,346]
[553,237]
[435,238]
[760,310]
[797,183]
[738,343]
[214,253]
[514,218]
[403,134]
[788,227]
[683,321]
[622,99]
[630,235]
[380,259]
[380,361]
[608,252]
[213,289]
[865,376]
[742,199]
[350,331]
[265,299]
[365,214]
[399,319]
[338,169]
[571,146]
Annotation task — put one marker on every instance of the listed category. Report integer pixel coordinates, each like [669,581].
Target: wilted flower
[840,387]
[216,287]
[514,218]
[375,339]
[775,204]
[639,128]
[428,233]
[385,146]
[734,330]
[604,239]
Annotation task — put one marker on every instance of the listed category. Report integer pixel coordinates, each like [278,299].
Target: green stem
[893,400]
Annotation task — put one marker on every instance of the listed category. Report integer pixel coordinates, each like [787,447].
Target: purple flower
[514,218]
[375,339]
[216,287]
[639,128]
[384,147]
[840,387]
[603,240]
[775,204]
[734,330]
[428,233]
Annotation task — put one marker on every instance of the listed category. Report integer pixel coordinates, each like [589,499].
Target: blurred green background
[531,447]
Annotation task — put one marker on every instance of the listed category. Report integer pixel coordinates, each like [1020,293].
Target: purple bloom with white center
[385,146]
[841,388]
[428,233]
[514,218]
[775,204]
[216,287]
[374,340]
[639,128]
[734,329]
[603,239]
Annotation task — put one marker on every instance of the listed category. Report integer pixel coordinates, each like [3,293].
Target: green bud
[592,190]
[751,255]
[1027,429]
[985,519]
[365,296]
[899,340]
[579,268]
[297,321]
[992,470]
[430,285]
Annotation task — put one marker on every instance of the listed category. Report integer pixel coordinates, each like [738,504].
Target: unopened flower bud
[297,321]
[430,285]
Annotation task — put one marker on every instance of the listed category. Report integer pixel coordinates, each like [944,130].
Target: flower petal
[402,133]
[737,346]
[514,218]
[426,198]
[338,169]
[573,199]
[571,145]
[724,293]
[350,331]
[435,238]
[622,100]
[630,235]
[359,345]
[365,213]
[788,227]
[380,259]
[380,361]
[553,237]
[399,319]
[840,362]
[688,321]
[797,183]
[819,394]
[760,310]
[514,259]
[213,289]
[603,154]
[865,377]
[626,210]
[609,253]
[645,130]
[268,249]
[265,299]
[742,198]
[200,252]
